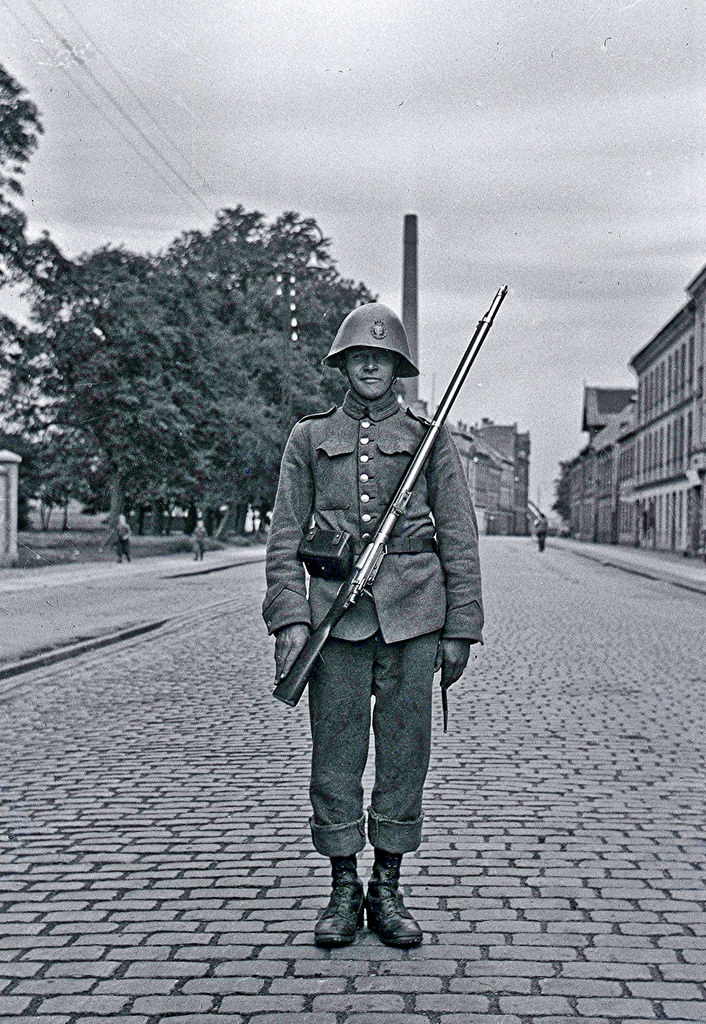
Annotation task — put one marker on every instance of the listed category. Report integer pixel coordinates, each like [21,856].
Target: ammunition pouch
[330,554]
[327,554]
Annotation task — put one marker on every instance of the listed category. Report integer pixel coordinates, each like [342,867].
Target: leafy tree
[258,378]
[111,368]
[20,128]
[174,379]
[562,499]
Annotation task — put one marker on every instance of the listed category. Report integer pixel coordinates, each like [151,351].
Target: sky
[552,145]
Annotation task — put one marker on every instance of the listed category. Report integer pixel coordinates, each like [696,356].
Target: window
[691,362]
[682,368]
[689,425]
[680,449]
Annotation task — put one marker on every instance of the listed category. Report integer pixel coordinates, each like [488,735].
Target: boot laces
[341,899]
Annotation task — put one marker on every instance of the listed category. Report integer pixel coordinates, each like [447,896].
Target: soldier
[339,471]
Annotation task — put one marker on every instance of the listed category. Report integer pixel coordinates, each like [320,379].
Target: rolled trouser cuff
[394,836]
[340,840]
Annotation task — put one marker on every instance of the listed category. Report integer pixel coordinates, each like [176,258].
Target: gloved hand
[452,658]
[288,644]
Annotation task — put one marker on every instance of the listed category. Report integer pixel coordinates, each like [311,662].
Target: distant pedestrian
[199,539]
[122,538]
[540,528]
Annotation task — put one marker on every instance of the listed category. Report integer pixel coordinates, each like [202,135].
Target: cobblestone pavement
[157,863]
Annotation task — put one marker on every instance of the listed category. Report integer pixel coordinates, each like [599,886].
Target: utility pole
[287,289]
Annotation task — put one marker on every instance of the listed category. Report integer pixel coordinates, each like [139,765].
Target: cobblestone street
[156,854]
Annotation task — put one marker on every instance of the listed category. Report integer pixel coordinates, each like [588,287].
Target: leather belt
[410,545]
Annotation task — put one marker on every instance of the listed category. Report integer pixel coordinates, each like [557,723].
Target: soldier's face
[370,371]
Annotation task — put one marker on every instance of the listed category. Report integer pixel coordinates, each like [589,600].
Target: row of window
[667,383]
[665,449]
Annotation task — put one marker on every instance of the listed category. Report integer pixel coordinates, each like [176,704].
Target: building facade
[491,478]
[640,478]
[670,443]
[514,447]
[597,492]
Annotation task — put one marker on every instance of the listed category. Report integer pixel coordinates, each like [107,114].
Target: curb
[214,568]
[694,588]
[64,653]
[17,668]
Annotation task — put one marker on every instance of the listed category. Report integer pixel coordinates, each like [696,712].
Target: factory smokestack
[409,300]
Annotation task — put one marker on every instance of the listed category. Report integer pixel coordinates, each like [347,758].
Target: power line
[118,106]
[106,117]
[121,78]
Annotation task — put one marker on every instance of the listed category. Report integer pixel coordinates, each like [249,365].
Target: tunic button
[365,498]
[364,477]
[365,423]
[364,440]
[366,518]
[364,458]
[366,536]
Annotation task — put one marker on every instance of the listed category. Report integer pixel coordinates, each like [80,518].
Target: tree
[175,379]
[562,499]
[257,377]
[20,128]
[112,370]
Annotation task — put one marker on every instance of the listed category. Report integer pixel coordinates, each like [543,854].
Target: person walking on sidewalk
[540,528]
[339,470]
[122,538]
[199,539]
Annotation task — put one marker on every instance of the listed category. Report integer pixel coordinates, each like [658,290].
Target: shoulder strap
[417,417]
[319,415]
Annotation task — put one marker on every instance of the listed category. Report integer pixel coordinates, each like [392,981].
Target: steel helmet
[373,325]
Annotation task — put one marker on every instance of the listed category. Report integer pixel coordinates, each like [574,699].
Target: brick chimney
[409,300]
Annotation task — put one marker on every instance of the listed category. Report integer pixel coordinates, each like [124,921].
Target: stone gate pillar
[9,471]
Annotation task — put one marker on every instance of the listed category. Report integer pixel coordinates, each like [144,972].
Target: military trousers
[396,679]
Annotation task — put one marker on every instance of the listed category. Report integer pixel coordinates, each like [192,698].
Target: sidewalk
[655,565]
[44,609]
[68,574]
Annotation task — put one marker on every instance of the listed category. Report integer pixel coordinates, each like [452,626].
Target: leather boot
[387,914]
[338,923]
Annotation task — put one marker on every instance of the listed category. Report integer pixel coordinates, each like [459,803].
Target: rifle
[290,688]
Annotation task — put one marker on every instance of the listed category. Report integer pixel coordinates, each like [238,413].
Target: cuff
[394,836]
[284,608]
[340,840]
[464,623]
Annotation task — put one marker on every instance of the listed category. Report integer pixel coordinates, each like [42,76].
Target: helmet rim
[372,325]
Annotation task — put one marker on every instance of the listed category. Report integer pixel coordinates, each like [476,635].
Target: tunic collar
[378,410]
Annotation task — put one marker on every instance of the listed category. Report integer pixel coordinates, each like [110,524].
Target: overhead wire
[126,84]
[91,100]
[118,106]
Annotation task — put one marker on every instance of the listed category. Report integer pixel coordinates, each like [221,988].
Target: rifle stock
[290,688]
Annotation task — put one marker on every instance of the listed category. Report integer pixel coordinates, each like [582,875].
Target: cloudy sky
[553,145]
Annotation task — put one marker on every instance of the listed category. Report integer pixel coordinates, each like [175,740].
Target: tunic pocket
[394,458]
[334,474]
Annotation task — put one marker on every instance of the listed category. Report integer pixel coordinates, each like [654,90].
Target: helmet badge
[378,330]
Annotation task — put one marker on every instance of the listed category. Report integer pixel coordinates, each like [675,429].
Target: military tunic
[339,470]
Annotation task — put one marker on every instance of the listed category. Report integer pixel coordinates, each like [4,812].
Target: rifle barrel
[290,688]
